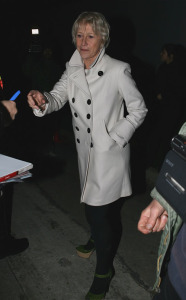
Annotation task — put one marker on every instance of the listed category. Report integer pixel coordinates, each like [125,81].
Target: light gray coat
[102,132]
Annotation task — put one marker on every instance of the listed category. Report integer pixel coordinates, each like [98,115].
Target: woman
[98,87]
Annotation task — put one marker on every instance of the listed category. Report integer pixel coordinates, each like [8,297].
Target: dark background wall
[154,23]
[138,27]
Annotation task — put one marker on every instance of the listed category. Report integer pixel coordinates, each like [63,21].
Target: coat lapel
[77,73]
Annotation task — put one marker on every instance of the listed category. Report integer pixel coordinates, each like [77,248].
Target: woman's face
[88,43]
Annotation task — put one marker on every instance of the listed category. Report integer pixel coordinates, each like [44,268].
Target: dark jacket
[5,119]
[169,233]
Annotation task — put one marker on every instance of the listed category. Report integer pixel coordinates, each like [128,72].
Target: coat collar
[77,71]
[76,60]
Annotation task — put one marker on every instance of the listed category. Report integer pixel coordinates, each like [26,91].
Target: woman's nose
[84,41]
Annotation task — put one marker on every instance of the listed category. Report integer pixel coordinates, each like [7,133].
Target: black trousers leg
[6,211]
[167,291]
[106,229]
[116,223]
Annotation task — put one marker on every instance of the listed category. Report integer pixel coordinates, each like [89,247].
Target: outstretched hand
[36,100]
[153,218]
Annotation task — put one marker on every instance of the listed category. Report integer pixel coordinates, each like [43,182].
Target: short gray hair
[97,21]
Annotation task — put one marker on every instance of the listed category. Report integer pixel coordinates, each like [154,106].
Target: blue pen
[15,95]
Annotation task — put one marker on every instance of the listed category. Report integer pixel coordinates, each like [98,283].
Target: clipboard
[10,167]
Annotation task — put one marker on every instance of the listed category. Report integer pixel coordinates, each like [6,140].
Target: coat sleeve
[135,104]
[56,98]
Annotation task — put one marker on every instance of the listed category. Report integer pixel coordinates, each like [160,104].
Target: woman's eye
[79,35]
[91,36]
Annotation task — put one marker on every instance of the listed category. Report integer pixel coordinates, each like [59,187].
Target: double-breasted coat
[98,97]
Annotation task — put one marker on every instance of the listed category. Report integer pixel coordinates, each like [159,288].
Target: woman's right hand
[11,107]
[36,100]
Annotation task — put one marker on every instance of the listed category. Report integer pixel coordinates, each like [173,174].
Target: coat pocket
[102,141]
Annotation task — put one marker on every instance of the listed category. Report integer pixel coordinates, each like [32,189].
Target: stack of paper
[12,169]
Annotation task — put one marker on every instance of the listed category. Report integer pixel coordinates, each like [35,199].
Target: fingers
[14,110]
[142,224]
[32,96]
[163,221]
[148,218]
[36,100]
[11,107]
[153,218]
[145,227]
[160,223]
[31,100]
[155,228]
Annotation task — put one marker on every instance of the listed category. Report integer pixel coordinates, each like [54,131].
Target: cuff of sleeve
[39,113]
[120,141]
[156,195]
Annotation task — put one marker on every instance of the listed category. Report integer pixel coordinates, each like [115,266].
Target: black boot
[12,246]
[100,286]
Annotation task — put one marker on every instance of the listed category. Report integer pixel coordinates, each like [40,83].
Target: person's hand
[11,107]
[36,100]
[153,218]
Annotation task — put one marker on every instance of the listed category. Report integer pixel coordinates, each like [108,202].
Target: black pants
[5,210]
[167,291]
[106,229]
